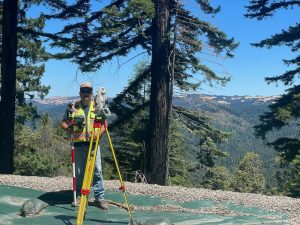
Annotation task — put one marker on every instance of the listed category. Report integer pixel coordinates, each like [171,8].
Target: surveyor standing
[81,130]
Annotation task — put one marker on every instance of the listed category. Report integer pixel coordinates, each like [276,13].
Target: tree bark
[158,150]
[8,85]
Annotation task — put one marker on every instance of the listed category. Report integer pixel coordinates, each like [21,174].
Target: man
[83,114]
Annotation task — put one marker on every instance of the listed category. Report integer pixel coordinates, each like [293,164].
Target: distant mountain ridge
[227,99]
[56,100]
[247,107]
[192,98]
[244,109]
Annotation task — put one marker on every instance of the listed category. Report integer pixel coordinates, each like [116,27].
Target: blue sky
[247,69]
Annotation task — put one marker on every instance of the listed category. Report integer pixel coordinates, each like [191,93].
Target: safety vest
[84,133]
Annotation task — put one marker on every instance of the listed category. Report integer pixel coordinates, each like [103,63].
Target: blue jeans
[81,152]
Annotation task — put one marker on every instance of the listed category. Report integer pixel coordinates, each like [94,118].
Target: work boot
[101,203]
[77,202]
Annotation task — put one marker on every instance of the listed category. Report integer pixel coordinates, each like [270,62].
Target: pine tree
[30,66]
[121,26]
[196,123]
[220,178]
[248,176]
[131,109]
[8,83]
[26,83]
[179,168]
[285,110]
[42,151]
[129,128]
[293,178]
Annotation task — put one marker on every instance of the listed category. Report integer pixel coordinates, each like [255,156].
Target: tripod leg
[88,177]
[120,176]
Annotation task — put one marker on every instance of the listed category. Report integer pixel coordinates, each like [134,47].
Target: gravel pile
[288,205]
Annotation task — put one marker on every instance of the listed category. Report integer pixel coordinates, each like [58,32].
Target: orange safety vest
[84,133]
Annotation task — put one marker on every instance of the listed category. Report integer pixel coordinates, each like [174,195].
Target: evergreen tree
[286,109]
[130,125]
[26,83]
[220,178]
[196,124]
[248,176]
[30,66]
[42,151]
[293,178]
[121,26]
[158,145]
[179,168]
[131,108]
[8,83]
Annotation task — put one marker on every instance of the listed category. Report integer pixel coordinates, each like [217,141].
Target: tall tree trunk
[157,152]
[8,85]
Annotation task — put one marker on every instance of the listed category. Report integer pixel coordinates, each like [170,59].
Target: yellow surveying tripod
[99,121]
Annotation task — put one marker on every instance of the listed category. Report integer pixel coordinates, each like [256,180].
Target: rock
[32,207]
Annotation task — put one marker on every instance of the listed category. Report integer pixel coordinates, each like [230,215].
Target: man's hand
[69,128]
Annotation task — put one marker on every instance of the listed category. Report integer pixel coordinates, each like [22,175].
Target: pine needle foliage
[135,97]
[196,124]
[293,177]
[131,109]
[97,33]
[192,38]
[288,37]
[285,109]
[179,168]
[42,151]
[248,176]
[130,133]
[31,56]
[98,36]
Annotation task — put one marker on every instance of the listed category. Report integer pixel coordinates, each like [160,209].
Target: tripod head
[101,108]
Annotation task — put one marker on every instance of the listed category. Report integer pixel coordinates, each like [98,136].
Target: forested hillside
[234,114]
[238,115]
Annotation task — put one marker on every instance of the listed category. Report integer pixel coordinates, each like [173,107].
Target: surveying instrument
[101,112]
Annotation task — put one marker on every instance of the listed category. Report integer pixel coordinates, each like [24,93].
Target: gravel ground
[283,204]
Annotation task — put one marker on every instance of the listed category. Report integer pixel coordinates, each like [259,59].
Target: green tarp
[60,211]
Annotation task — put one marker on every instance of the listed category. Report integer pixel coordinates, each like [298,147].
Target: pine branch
[79,9]
[207,8]
[260,9]
[292,61]
[284,110]
[119,98]
[288,148]
[35,34]
[129,115]
[287,38]
[94,16]
[287,78]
